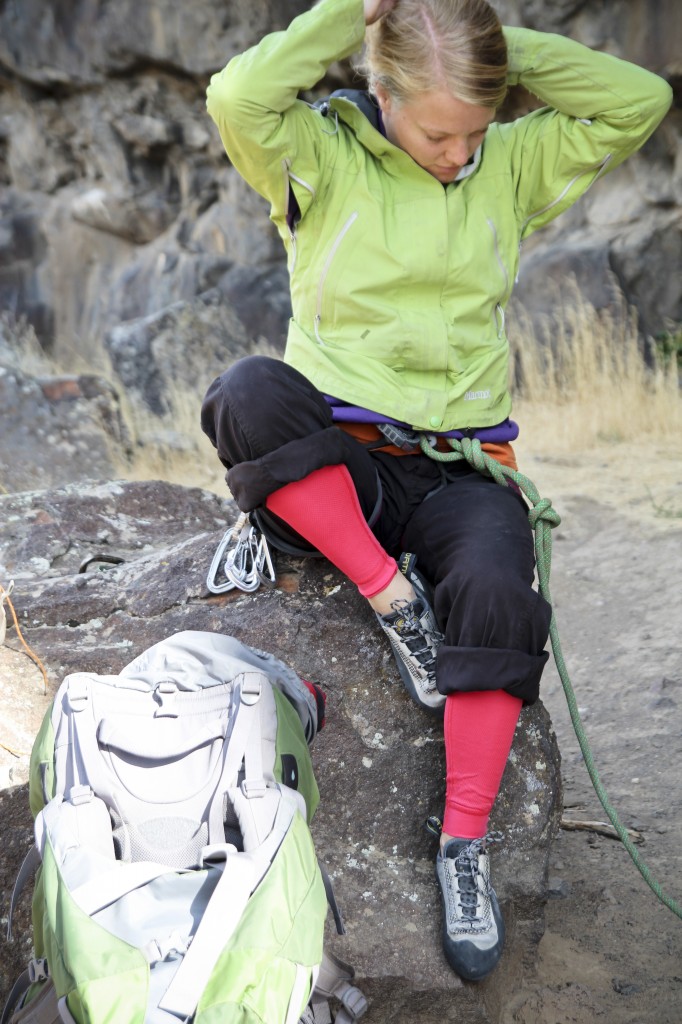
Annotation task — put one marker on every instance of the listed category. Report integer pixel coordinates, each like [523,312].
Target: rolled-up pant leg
[474,543]
[271,427]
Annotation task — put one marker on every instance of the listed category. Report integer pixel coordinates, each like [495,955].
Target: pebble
[558,888]
[624,988]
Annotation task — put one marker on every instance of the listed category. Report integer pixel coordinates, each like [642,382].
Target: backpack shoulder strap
[241,874]
[28,868]
[40,1009]
[221,917]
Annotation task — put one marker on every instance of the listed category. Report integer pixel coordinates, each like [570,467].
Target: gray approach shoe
[473,929]
[415,638]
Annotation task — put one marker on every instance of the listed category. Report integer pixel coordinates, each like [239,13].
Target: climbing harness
[543,518]
[247,559]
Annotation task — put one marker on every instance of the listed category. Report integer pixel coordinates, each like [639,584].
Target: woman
[403,211]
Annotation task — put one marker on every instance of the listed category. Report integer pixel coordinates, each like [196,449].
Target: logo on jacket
[475,396]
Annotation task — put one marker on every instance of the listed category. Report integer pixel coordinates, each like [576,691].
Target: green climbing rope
[543,518]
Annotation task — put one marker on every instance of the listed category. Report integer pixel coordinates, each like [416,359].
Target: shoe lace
[421,641]
[471,883]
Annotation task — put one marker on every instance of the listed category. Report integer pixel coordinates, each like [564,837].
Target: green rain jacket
[399,283]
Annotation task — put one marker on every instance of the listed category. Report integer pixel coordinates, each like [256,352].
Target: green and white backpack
[178,880]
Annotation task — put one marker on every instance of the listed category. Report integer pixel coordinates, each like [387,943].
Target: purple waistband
[508,430]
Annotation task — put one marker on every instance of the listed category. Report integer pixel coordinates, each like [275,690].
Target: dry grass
[580,386]
[20,348]
[597,419]
[172,447]
[585,382]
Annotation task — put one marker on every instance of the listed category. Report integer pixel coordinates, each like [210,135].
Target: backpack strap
[334,980]
[220,919]
[29,865]
[17,992]
[43,1005]
[104,890]
[241,874]
[244,745]
[331,899]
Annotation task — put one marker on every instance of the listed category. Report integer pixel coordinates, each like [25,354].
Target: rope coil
[543,518]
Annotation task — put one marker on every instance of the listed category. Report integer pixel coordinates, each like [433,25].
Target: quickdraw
[244,557]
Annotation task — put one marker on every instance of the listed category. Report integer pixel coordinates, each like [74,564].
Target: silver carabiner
[247,559]
[230,537]
[263,561]
[240,561]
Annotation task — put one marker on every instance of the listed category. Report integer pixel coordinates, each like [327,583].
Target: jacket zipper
[325,270]
[292,233]
[498,310]
[301,181]
[288,176]
[537,213]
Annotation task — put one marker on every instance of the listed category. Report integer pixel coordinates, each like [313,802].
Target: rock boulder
[379,761]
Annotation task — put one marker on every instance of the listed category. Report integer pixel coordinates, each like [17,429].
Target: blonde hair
[430,45]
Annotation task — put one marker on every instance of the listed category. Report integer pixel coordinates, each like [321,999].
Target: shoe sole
[439,699]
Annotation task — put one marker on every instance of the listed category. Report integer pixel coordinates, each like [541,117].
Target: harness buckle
[406,440]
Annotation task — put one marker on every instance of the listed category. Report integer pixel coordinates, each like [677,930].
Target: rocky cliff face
[118,202]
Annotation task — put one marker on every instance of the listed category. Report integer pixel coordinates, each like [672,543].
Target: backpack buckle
[253,788]
[79,795]
[38,970]
[353,1001]
[172,947]
[78,693]
[165,693]
[250,688]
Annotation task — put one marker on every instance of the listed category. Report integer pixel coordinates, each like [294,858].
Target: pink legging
[324,508]
[479,727]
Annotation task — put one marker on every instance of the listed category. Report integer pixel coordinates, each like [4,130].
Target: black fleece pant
[472,538]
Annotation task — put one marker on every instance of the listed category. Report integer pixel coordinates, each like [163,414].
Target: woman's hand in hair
[375,9]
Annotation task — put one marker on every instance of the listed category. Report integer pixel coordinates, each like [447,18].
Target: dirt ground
[611,951]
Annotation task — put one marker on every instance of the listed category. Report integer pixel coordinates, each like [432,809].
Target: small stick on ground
[600,827]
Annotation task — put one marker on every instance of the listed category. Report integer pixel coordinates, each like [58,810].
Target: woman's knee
[484,607]
[257,405]
[250,376]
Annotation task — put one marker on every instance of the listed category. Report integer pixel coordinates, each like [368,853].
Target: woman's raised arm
[600,109]
[253,100]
